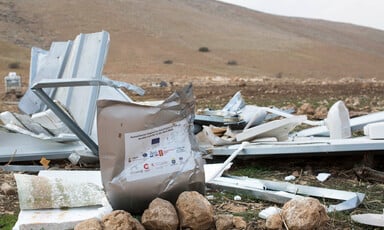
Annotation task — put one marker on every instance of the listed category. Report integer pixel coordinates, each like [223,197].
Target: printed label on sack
[161,150]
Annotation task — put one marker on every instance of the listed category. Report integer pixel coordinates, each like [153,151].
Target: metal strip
[281,192]
[54,83]
[303,146]
[67,120]
[20,147]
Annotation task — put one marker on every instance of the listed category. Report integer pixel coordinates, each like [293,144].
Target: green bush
[203,49]
[232,62]
[14,65]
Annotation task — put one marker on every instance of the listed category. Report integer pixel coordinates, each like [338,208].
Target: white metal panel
[86,60]
[304,145]
[20,147]
[44,65]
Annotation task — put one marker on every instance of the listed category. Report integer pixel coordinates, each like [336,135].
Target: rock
[295,173]
[242,83]
[195,211]
[91,224]
[306,109]
[304,213]
[352,102]
[161,214]
[274,222]
[163,84]
[7,189]
[321,113]
[121,220]
[239,222]
[224,222]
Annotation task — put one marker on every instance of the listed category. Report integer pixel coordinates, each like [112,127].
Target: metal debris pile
[57,125]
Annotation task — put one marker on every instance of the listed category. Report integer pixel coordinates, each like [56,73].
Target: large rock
[160,215]
[304,213]
[121,220]
[195,211]
[91,224]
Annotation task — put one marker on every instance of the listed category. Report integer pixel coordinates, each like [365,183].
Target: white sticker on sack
[157,151]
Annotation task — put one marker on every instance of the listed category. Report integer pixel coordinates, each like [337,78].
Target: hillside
[145,33]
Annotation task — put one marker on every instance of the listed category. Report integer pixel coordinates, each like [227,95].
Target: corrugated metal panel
[20,147]
[304,146]
[44,65]
[86,60]
[82,58]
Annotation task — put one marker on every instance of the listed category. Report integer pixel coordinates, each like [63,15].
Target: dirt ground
[361,96]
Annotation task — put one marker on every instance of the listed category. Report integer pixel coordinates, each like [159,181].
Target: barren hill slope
[146,33]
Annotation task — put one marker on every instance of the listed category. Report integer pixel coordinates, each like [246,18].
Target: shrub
[279,75]
[232,62]
[168,62]
[203,49]
[14,65]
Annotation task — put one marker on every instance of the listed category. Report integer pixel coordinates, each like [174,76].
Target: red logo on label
[146,166]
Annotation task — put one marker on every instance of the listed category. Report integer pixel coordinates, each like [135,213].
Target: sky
[360,12]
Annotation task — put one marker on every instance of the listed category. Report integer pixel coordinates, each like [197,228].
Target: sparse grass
[7,221]
[343,180]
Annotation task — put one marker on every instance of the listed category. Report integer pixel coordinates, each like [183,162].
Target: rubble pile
[151,154]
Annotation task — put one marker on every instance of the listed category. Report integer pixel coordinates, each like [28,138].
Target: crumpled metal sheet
[281,192]
[148,151]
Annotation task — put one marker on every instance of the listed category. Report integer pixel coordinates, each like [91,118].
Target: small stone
[303,182]
[321,112]
[237,197]
[306,109]
[274,222]
[7,189]
[295,173]
[239,222]
[242,83]
[195,211]
[289,178]
[161,214]
[224,222]
[91,224]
